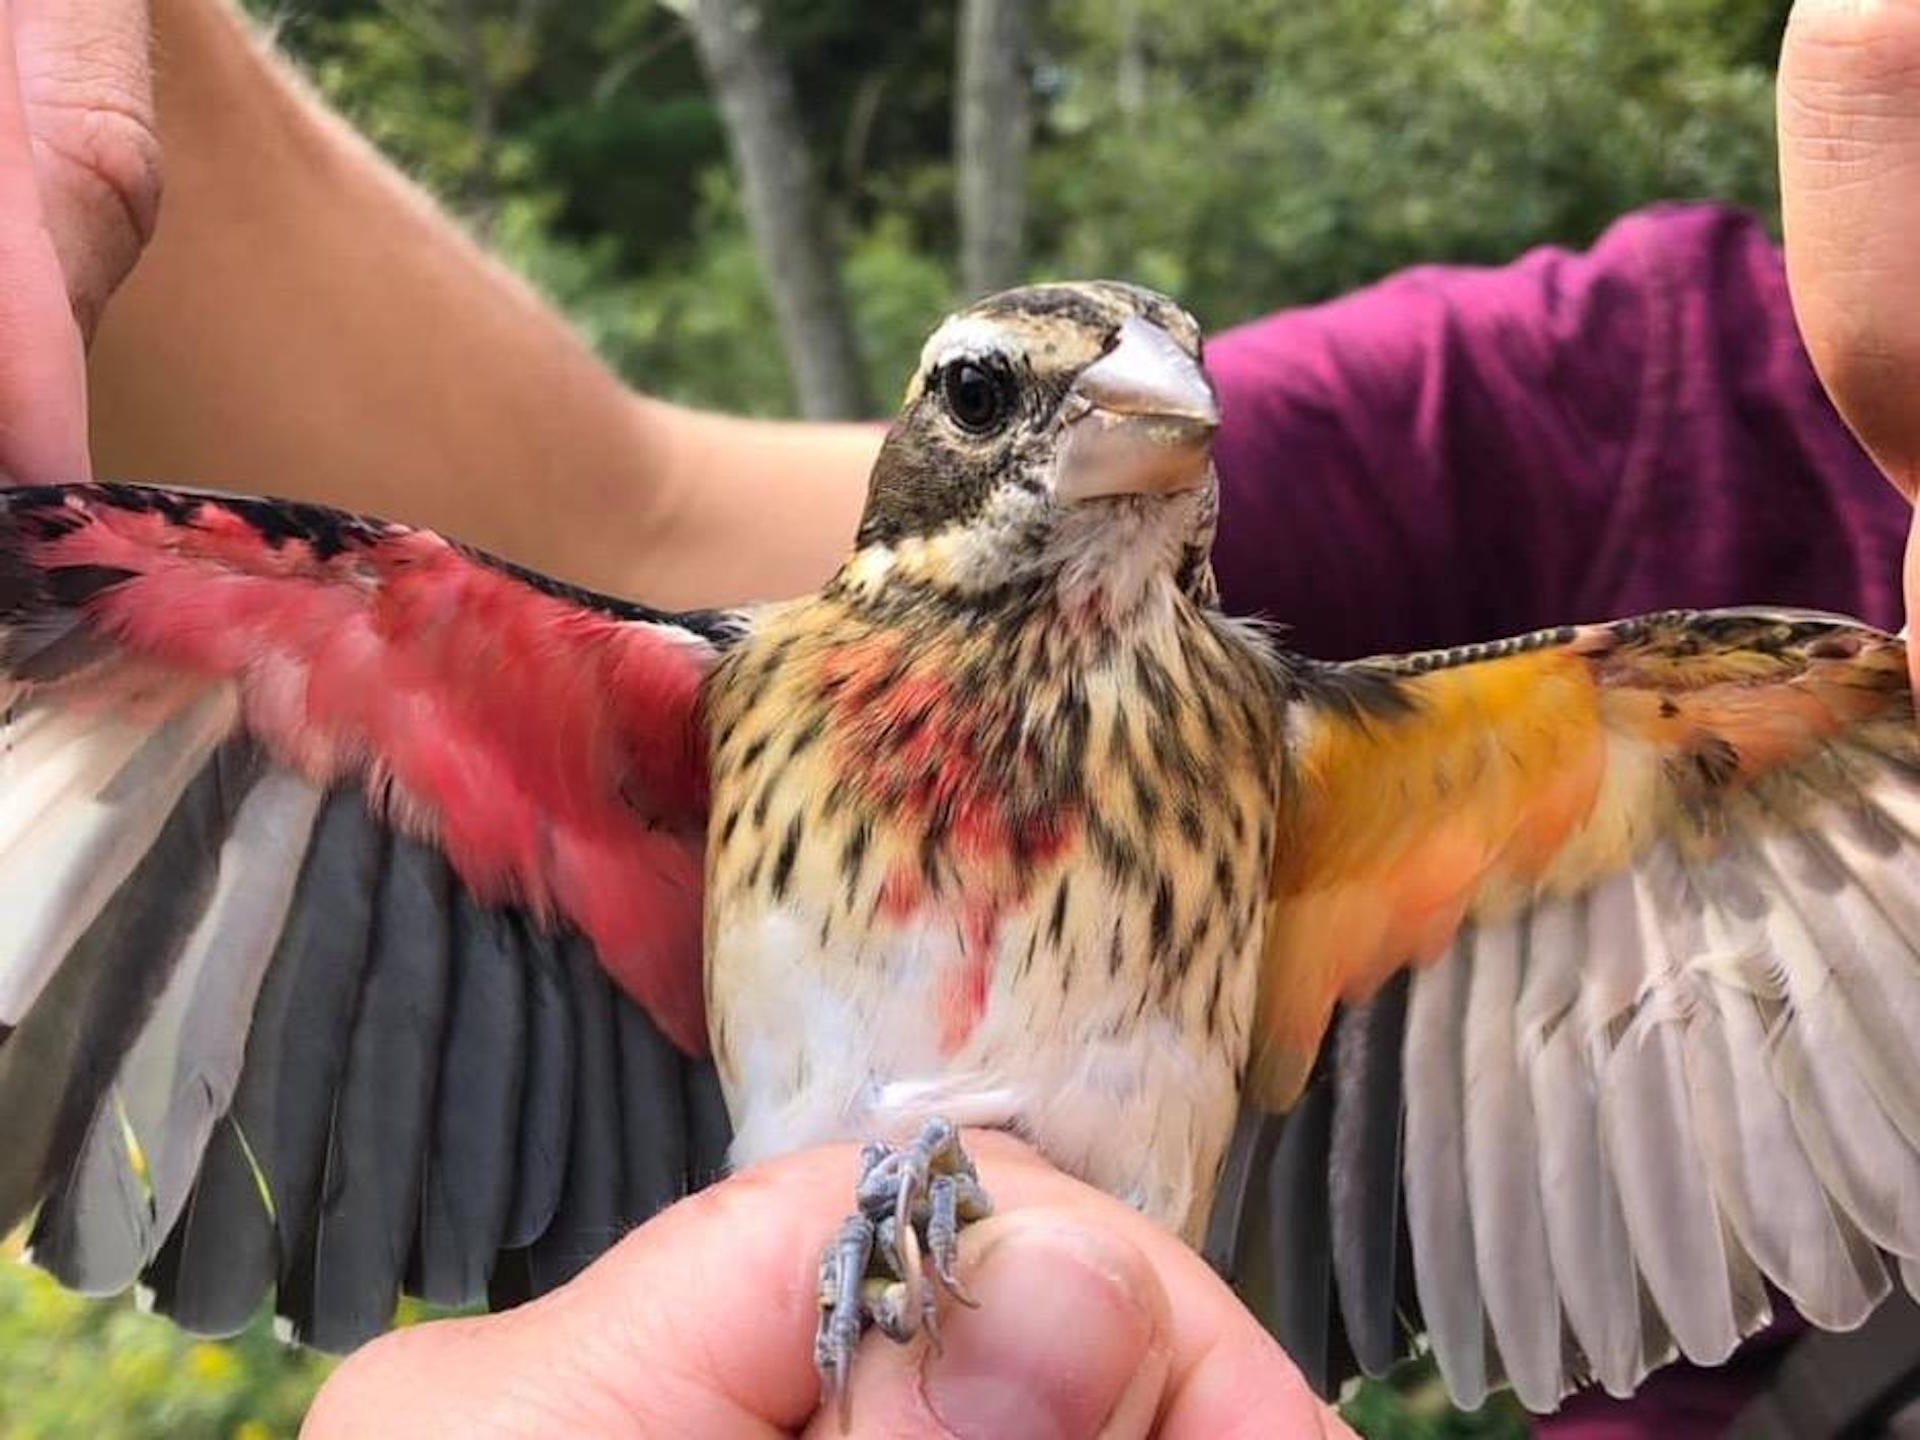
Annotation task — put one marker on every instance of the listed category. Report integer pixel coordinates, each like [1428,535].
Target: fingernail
[1065,1323]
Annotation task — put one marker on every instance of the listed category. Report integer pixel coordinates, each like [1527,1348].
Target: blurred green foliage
[1243,154]
[71,1367]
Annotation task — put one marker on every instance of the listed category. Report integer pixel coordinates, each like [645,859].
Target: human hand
[79,190]
[1849,104]
[1093,1321]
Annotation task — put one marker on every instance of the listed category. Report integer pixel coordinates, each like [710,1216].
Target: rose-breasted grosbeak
[1585,961]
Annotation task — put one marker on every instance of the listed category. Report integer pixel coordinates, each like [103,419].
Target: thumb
[1072,1341]
[1849,110]
[1849,101]
[1911,582]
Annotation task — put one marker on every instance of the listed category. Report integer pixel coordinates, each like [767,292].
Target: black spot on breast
[1120,739]
[1162,914]
[904,729]
[807,736]
[1114,850]
[1076,719]
[1191,829]
[1143,793]
[1056,923]
[1155,683]
[1212,1009]
[933,844]
[783,863]
[853,856]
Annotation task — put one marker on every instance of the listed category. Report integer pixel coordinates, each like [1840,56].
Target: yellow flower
[212,1364]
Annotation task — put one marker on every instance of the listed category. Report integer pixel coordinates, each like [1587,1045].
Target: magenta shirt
[1458,454]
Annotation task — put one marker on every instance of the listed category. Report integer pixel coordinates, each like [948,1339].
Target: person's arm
[307,323]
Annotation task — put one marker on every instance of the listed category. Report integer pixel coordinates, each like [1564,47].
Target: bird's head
[1054,438]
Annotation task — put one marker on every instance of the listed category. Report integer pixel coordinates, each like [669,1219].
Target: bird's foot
[897,1250]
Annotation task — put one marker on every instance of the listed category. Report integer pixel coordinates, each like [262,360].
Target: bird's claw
[913,1201]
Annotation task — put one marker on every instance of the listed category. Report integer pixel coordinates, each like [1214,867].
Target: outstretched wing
[351,885]
[1600,949]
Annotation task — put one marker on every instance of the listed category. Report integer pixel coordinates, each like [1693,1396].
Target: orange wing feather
[1539,764]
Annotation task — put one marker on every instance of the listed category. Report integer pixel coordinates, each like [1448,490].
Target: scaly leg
[913,1201]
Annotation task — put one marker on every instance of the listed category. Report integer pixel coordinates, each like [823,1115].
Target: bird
[385,917]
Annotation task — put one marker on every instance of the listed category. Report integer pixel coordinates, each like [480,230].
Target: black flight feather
[588,1220]
[258,1174]
[546,1100]
[709,1130]
[1299,1291]
[1364,1173]
[370,1198]
[468,1185]
[216,1268]
[296,1050]
[652,1114]
[1227,1220]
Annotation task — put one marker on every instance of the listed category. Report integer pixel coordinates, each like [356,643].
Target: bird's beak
[1139,420]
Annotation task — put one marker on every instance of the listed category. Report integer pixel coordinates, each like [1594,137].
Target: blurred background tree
[1243,154]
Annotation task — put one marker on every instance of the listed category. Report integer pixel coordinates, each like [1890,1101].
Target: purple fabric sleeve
[1459,454]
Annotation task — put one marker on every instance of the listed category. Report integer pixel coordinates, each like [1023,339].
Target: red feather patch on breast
[953,772]
[930,753]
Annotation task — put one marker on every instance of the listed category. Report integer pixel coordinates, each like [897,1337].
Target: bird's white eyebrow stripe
[965,335]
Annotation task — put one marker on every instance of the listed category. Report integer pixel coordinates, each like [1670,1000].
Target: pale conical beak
[1139,420]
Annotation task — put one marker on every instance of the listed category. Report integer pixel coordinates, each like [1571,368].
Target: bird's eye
[978,396]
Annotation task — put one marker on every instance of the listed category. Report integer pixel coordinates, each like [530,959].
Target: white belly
[817,1047]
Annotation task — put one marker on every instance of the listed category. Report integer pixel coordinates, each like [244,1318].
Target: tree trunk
[785,209]
[992,123]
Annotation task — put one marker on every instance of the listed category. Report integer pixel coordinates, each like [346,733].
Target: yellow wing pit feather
[1483,778]
[1547,769]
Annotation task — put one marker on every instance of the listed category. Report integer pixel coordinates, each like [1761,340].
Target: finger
[86,79]
[1071,1341]
[701,1322]
[1245,1388]
[1912,577]
[1226,1376]
[1849,123]
[43,427]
